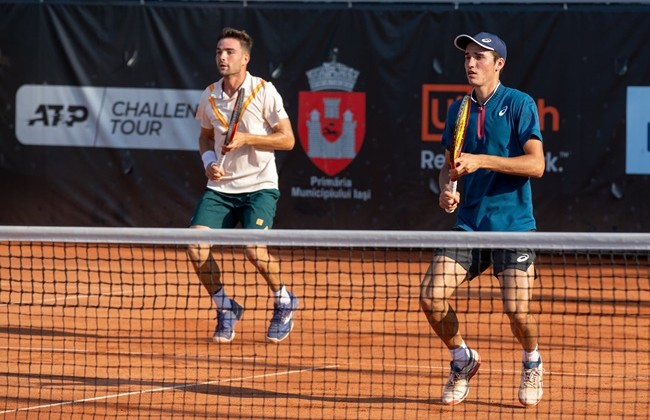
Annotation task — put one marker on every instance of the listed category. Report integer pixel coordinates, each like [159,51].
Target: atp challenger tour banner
[107,117]
[98,123]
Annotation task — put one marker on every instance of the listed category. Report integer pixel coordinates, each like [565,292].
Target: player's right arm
[208,155]
[530,164]
[446,200]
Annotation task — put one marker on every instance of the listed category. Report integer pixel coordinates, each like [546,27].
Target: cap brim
[461,42]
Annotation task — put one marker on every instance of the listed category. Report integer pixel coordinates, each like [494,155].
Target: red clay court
[123,330]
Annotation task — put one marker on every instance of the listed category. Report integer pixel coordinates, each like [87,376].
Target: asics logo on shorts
[523,257]
[503,111]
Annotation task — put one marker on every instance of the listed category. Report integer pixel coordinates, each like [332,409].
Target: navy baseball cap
[485,40]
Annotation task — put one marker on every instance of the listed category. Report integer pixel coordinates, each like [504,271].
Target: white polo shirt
[247,169]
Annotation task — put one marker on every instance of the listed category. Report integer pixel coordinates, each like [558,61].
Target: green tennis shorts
[255,210]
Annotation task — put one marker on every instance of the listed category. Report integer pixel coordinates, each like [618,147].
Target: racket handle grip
[452,187]
[222,158]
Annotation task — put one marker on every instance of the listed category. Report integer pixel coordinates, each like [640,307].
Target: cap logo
[486,40]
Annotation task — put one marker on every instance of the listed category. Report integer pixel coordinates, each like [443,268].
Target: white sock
[533,356]
[282,296]
[221,299]
[460,355]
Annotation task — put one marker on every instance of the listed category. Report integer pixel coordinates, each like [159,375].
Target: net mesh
[114,323]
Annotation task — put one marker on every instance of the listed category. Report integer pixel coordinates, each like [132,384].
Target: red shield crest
[331,127]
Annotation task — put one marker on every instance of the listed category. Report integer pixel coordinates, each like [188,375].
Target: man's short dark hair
[244,39]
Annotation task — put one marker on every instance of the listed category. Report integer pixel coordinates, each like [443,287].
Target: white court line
[183,356]
[366,365]
[167,388]
[186,386]
[66,297]
[45,301]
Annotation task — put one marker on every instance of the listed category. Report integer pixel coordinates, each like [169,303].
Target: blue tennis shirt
[492,201]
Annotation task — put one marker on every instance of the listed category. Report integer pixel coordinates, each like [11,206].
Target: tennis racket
[235,117]
[458,138]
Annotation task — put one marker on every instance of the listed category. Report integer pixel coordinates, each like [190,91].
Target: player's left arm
[531,163]
[282,138]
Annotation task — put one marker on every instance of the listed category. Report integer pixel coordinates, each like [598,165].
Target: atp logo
[332,118]
[55,114]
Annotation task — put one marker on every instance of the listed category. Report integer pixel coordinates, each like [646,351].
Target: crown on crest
[332,76]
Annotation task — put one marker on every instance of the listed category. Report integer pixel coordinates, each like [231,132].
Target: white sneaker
[532,380]
[457,387]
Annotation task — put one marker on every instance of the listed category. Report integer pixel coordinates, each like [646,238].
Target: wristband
[208,157]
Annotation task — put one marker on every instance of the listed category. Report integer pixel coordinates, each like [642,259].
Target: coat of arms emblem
[332,117]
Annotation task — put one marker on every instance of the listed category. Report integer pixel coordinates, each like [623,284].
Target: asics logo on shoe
[288,318]
[503,111]
[523,257]
[282,320]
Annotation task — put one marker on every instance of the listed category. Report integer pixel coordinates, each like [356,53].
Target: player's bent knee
[193,252]
[425,304]
[518,318]
[198,254]
[426,301]
[257,254]
[435,308]
[251,253]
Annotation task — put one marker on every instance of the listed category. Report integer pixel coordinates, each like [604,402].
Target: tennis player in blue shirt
[502,152]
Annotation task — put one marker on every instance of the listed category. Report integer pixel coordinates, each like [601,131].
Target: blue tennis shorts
[255,210]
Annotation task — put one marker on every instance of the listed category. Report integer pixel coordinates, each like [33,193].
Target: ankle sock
[460,355]
[282,296]
[531,358]
[221,299]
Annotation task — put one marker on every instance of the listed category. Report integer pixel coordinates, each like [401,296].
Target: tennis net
[113,322]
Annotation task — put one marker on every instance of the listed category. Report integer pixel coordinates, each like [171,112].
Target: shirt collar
[221,94]
[488,99]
